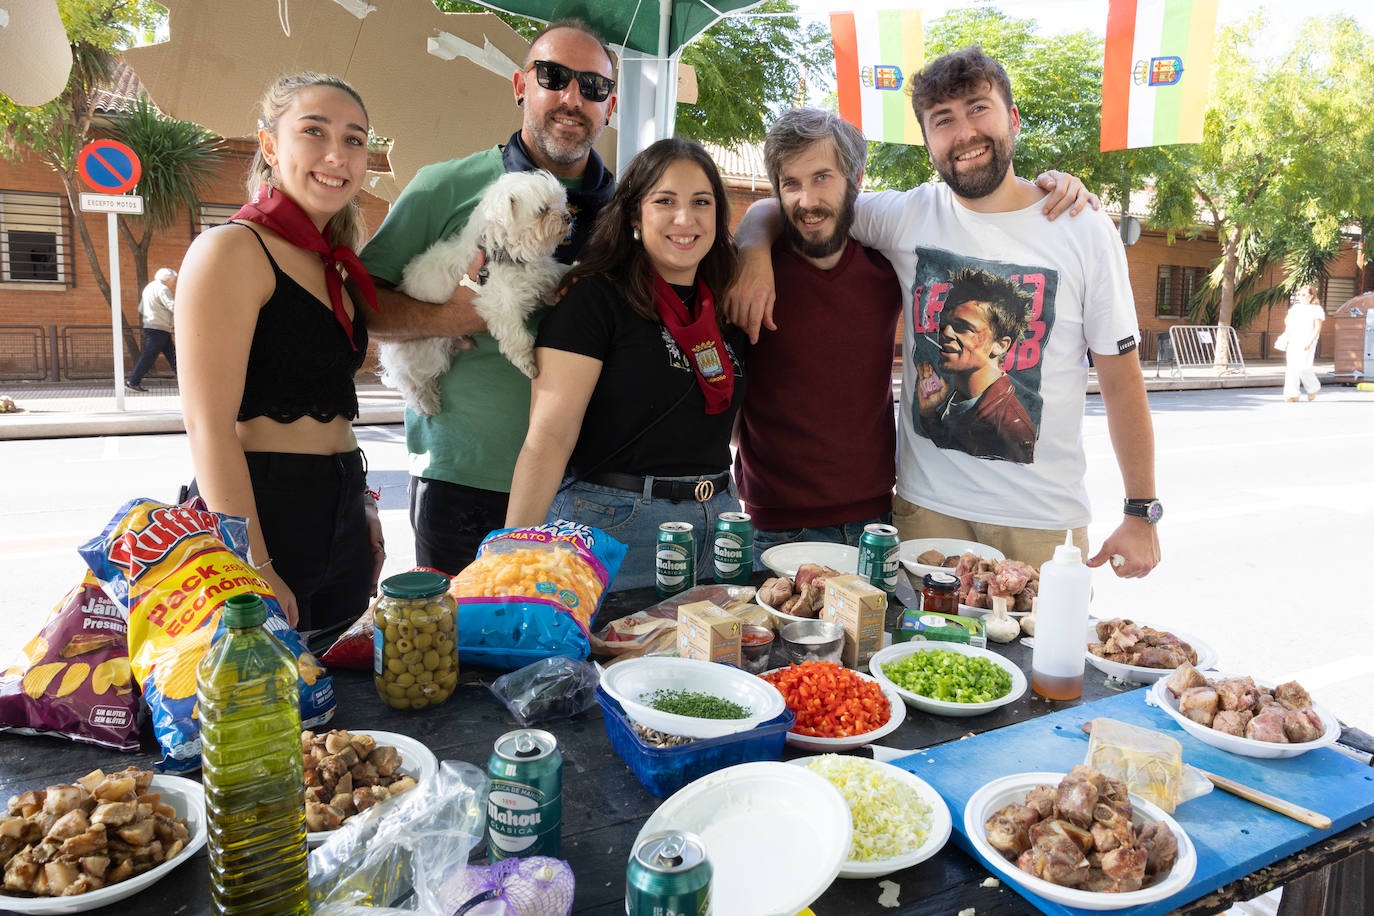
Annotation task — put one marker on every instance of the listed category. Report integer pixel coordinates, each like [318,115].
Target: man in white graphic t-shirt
[983,218]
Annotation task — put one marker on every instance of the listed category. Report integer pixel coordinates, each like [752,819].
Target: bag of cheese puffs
[171,568]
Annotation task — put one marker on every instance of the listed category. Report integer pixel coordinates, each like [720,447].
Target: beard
[822,248]
[983,179]
[560,149]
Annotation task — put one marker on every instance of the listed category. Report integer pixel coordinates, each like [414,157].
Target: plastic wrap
[653,631]
[407,854]
[1148,762]
[551,688]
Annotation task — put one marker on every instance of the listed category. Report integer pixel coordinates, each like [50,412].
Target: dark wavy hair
[1008,305]
[613,251]
[955,75]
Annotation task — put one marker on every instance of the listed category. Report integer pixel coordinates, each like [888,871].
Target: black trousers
[450,521]
[155,341]
[310,509]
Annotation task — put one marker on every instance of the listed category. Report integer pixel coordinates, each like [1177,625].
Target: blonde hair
[345,227]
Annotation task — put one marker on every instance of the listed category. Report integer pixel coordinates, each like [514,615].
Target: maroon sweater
[817,437]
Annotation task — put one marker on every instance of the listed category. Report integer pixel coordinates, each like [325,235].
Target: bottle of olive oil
[250,729]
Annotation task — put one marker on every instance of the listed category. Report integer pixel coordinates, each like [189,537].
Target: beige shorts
[1029,545]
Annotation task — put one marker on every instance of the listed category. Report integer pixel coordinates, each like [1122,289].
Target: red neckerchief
[700,340]
[285,217]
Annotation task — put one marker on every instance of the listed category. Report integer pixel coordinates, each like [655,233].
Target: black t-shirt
[643,374]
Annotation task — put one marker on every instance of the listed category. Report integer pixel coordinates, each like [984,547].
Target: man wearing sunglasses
[462,459]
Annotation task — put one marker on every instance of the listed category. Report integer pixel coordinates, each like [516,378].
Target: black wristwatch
[1152,510]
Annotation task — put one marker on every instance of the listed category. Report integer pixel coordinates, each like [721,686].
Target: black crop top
[300,363]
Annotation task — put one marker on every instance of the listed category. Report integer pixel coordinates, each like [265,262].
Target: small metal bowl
[813,641]
[754,655]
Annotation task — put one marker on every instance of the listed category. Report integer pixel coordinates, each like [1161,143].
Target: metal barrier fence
[86,354]
[24,353]
[1199,346]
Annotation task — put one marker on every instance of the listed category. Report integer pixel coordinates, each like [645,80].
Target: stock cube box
[707,632]
[861,608]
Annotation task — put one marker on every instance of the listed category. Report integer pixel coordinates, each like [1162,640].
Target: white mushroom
[999,626]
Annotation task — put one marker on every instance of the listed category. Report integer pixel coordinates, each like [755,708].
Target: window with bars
[211,215]
[35,245]
[1175,289]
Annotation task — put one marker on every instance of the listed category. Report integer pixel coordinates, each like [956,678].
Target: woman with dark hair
[639,379]
[269,342]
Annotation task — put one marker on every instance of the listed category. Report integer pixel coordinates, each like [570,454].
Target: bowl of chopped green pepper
[691,697]
[948,679]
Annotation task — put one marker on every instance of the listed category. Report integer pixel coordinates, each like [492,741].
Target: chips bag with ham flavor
[73,679]
[532,593]
[171,568]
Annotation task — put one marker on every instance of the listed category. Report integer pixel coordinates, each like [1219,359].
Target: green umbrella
[656,27]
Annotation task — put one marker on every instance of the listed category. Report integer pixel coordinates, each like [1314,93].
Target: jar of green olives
[415,640]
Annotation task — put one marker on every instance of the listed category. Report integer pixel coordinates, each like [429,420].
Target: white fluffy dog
[517,225]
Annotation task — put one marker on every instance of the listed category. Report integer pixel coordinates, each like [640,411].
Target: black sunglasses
[554,77]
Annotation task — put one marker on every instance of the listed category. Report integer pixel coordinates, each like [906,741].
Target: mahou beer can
[675,559]
[878,556]
[525,804]
[668,874]
[733,548]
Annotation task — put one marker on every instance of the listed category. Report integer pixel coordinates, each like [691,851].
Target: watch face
[1154,511]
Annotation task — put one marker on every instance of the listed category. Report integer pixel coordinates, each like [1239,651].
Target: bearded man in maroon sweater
[817,437]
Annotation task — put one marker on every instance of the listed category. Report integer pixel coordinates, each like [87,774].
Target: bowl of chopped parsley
[691,697]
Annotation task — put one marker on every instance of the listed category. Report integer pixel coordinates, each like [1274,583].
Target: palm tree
[179,158]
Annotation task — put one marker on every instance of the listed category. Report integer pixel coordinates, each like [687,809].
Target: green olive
[419,703]
[424,640]
[448,681]
[431,660]
[395,666]
[415,691]
[424,677]
[404,678]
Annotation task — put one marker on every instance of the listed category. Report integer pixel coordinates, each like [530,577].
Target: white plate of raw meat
[1161,696]
[908,551]
[784,559]
[1139,674]
[1008,790]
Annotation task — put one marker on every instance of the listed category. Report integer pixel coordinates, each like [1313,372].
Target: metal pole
[665,70]
[116,325]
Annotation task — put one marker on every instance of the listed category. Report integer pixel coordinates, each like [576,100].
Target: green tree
[747,66]
[54,133]
[179,158]
[1274,172]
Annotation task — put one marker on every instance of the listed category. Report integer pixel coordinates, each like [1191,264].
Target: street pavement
[1266,534]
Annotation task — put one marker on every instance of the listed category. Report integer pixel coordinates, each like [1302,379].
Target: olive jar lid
[418,583]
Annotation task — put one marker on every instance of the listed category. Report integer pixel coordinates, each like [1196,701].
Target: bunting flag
[876,54]
[1155,72]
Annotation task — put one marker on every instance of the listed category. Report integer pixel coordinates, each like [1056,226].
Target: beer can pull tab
[525,745]
[670,852]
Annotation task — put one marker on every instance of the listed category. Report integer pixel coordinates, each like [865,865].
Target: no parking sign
[108,166]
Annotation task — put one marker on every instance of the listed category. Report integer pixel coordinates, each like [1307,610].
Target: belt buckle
[705,489]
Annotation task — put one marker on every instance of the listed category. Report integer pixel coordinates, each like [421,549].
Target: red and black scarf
[700,339]
[281,214]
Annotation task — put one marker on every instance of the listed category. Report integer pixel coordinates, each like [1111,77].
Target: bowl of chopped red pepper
[837,709]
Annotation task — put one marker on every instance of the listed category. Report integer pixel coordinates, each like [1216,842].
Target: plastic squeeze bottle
[250,729]
[1061,626]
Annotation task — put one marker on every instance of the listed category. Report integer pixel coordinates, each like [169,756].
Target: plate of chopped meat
[1079,839]
[386,764]
[927,555]
[1135,652]
[185,798]
[786,559]
[1245,715]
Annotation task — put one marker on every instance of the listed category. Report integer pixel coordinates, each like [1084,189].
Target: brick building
[54,322]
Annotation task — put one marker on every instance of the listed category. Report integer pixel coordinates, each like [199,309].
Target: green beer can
[525,804]
[668,873]
[878,556]
[733,548]
[675,559]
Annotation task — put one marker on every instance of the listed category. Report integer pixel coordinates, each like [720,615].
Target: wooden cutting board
[1233,837]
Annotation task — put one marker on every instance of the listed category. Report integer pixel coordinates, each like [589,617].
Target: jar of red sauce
[940,593]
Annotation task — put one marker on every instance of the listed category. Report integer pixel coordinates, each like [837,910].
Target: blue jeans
[633,519]
[156,342]
[848,533]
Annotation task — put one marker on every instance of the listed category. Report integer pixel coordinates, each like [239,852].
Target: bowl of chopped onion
[837,709]
[690,697]
[899,819]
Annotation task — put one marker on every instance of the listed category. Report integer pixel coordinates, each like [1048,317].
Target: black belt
[700,490]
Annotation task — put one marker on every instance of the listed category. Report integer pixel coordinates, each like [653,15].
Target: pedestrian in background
[155,311]
[1301,328]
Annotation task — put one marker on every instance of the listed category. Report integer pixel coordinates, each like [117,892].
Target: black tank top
[300,363]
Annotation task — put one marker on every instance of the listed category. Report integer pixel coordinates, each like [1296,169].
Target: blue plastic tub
[664,770]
